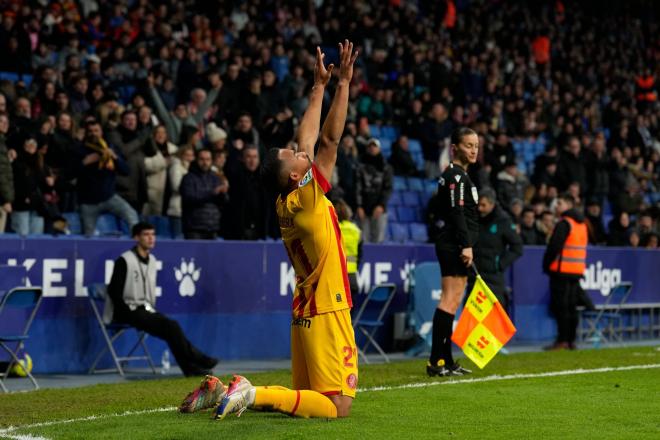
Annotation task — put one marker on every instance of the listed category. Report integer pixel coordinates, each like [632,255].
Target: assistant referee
[457,209]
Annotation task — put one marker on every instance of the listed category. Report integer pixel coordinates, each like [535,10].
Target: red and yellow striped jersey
[312,238]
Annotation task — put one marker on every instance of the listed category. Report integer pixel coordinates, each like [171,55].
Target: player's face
[467,149]
[147,239]
[297,163]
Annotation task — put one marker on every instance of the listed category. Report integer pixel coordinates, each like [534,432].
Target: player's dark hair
[458,134]
[140,227]
[271,170]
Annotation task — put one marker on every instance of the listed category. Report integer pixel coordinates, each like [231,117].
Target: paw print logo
[187,275]
[406,273]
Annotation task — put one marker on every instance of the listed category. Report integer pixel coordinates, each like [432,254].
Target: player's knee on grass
[343,404]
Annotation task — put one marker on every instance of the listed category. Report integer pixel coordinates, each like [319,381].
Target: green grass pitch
[615,395]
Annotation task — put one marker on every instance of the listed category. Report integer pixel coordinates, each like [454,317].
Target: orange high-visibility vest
[573,256]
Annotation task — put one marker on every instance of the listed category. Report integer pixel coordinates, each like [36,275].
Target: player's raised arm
[333,127]
[308,132]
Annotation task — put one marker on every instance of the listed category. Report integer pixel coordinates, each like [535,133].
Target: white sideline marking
[513,376]
[23,437]
[7,432]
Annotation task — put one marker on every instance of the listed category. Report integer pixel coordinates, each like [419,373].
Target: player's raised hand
[322,74]
[347,58]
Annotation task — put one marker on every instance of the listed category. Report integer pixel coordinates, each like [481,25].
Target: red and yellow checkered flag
[484,327]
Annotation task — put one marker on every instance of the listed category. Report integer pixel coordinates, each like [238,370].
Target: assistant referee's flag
[484,327]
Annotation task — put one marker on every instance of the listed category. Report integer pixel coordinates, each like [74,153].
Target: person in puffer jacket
[202,195]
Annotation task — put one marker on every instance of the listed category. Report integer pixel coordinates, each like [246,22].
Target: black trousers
[189,358]
[564,297]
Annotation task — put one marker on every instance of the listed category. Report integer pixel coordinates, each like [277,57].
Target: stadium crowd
[165,108]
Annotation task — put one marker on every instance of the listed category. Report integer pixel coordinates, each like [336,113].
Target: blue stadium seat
[107,224]
[389,132]
[27,79]
[517,146]
[414,146]
[126,92]
[415,184]
[162,225]
[539,147]
[430,186]
[9,76]
[15,77]
[398,232]
[385,147]
[400,183]
[388,236]
[395,199]
[410,198]
[407,214]
[73,221]
[418,232]
[424,198]
[374,130]
[392,215]
[124,229]
[419,160]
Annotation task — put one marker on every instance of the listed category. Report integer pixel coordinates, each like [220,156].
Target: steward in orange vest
[565,262]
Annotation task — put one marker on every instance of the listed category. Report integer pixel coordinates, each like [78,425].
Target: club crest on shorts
[351,381]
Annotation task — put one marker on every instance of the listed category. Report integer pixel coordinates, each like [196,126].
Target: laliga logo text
[598,278]
[483,342]
[187,275]
[480,297]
